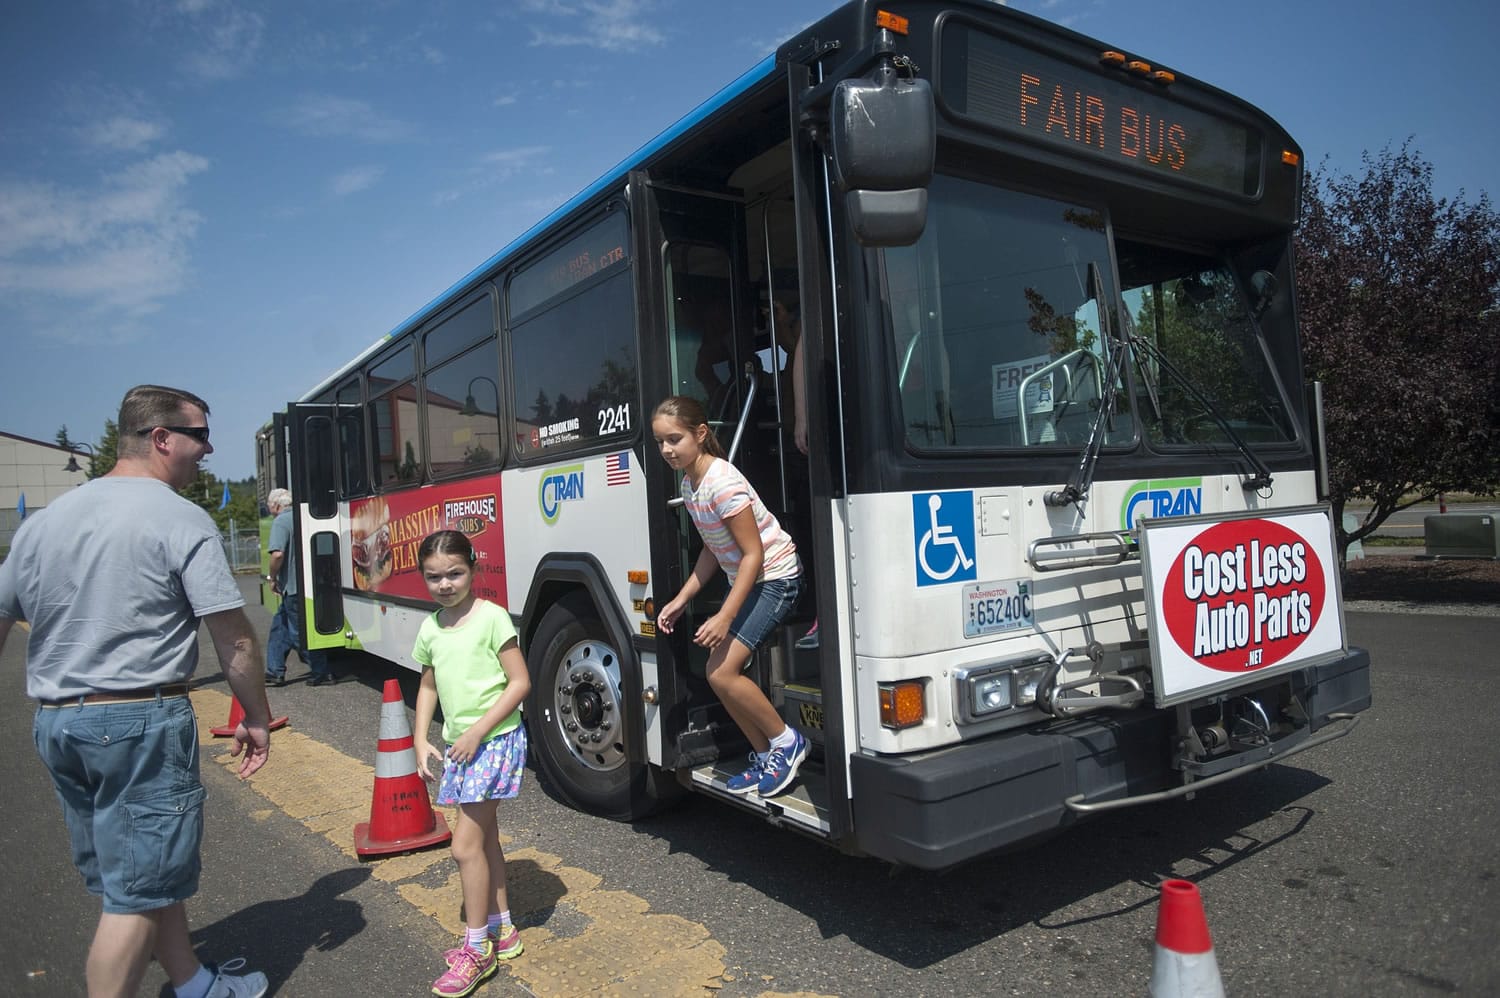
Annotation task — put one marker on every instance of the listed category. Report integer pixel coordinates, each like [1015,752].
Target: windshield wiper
[1147,378]
[1077,489]
[1261,479]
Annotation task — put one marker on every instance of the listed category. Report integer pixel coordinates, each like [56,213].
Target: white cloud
[612,25]
[505,100]
[326,116]
[122,132]
[360,178]
[118,251]
[494,167]
[226,38]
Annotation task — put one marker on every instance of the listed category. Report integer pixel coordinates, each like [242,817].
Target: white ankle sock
[197,985]
[786,739]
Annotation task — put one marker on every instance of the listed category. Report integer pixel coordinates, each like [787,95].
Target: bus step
[802,708]
[698,746]
[805,804]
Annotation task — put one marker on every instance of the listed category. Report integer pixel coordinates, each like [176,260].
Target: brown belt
[120,696]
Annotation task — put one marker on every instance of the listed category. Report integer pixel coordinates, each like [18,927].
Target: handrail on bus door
[734,445]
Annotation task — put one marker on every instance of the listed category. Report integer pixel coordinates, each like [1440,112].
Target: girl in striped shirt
[765,577]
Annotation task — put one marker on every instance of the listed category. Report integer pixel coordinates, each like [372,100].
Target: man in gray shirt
[286,627]
[114,578]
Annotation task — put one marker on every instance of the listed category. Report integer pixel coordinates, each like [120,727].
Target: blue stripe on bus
[687,123]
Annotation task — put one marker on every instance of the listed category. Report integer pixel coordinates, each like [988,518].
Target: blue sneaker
[781,766]
[747,781]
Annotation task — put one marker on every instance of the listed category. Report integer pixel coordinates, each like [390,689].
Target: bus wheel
[577,717]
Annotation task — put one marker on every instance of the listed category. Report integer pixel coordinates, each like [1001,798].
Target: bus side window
[354,479]
[572,344]
[460,367]
[393,417]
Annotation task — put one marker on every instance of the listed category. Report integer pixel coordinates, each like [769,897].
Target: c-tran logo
[559,485]
[1158,499]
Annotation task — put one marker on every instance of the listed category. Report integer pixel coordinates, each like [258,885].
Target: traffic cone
[401,815]
[1184,966]
[236,715]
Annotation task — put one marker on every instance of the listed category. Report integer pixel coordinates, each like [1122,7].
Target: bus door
[314,433]
[700,341]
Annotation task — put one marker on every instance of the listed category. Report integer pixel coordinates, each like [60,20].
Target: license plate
[995,607]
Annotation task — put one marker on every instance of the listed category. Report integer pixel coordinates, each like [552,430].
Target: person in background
[114,578]
[787,320]
[286,626]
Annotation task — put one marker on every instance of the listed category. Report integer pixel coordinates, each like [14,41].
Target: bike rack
[1122,540]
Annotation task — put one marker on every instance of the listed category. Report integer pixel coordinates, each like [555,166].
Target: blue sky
[236,197]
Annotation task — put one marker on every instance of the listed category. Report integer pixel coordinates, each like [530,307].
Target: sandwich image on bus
[1025,299]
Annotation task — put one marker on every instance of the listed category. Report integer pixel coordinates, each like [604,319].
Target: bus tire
[577,719]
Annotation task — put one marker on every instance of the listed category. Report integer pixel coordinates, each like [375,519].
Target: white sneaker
[229,985]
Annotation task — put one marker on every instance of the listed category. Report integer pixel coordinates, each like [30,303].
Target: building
[32,474]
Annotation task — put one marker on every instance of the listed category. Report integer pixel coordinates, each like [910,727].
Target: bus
[1062,512]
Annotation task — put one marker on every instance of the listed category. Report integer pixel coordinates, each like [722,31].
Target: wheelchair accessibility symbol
[943,534]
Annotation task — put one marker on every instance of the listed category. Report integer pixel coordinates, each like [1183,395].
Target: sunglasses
[198,433]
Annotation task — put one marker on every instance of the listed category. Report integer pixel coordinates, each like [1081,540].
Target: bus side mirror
[884,138]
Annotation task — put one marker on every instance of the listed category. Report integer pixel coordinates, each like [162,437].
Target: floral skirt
[493,774]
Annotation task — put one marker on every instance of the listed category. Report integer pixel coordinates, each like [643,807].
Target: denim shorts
[127,777]
[769,603]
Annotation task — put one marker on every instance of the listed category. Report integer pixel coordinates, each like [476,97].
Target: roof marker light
[892,22]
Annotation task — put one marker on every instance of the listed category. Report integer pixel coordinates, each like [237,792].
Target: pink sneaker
[470,969]
[450,955]
[810,639]
[508,944]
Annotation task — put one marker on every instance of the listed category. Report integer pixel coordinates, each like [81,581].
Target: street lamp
[471,407]
[72,465]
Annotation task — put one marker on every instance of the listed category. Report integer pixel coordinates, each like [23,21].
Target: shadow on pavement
[324,919]
[1052,885]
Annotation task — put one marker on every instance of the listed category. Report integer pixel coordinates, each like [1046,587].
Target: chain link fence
[242,548]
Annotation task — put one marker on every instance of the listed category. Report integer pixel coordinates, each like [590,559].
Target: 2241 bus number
[614,419]
[996,607]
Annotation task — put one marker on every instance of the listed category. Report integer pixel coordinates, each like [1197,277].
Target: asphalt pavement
[1364,867]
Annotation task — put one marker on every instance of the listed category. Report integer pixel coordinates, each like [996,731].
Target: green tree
[1398,292]
[106,451]
[62,437]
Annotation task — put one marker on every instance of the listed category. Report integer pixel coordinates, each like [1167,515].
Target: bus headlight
[990,693]
[1026,682]
[983,691]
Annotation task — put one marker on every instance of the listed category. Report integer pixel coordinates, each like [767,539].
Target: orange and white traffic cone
[401,815]
[236,715]
[1184,966]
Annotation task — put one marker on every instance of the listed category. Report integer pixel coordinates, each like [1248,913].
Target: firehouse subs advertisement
[1238,597]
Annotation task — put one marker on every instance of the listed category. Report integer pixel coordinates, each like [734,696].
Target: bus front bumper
[947,806]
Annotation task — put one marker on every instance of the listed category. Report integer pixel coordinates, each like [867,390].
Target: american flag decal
[617,469]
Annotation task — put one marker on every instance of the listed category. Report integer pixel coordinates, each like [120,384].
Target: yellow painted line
[624,948]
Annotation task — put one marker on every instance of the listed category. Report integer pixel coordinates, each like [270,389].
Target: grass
[1384,541]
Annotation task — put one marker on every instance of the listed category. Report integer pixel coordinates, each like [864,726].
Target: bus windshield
[998,340]
[995,328]
[1205,361]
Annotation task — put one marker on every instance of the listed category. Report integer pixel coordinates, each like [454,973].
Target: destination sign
[1094,112]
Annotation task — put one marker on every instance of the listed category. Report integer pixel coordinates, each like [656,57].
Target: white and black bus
[1062,514]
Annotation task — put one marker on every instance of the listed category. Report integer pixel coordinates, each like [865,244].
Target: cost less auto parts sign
[1235,598]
